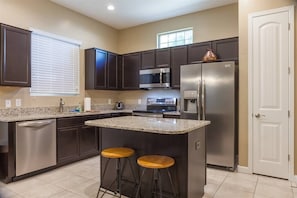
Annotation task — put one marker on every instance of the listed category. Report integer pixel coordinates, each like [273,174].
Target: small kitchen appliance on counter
[155,107]
[119,106]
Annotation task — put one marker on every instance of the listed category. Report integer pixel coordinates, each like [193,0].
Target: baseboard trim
[243,169]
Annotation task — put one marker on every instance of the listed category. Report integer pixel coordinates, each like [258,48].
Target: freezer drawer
[35,145]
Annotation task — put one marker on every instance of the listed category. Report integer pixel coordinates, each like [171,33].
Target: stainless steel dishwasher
[35,145]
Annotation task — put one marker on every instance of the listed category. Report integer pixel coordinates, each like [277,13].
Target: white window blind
[54,65]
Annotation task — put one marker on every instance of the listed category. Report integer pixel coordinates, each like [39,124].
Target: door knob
[257,115]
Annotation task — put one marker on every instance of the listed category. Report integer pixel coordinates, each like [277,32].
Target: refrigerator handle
[198,100]
[203,99]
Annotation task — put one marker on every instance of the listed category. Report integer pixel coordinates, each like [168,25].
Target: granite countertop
[148,124]
[35,116]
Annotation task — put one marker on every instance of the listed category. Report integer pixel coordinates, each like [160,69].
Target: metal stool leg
[104,171]
[139,185]
[132,171]
[171,183]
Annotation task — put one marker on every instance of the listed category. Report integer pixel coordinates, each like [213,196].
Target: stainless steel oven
[154,78]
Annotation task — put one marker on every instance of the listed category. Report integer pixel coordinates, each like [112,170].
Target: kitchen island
[184,140]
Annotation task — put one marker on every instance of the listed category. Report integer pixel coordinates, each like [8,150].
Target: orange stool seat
[155,161]
[117,152]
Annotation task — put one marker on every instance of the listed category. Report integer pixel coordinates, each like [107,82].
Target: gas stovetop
[158,106]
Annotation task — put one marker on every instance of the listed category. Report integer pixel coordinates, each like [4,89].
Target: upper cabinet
[15,56]
[196,51]
[148,60]
[101,69]
[130,70]
[178,58]
[106,70]
[226,49]
[112,71]
[163,57]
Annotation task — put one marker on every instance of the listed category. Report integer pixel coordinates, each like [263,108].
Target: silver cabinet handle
[35,123]
[203,99]
[198,100]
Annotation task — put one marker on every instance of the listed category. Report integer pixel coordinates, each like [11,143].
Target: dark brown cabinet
[75,140]
[226,49]
[130,70]
[15,56]
[196,51]
[101,69]
[163,57]
[112,71]
[148,59]
[178,58]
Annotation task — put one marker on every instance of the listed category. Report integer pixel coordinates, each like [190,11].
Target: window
[54,65]
[175,38]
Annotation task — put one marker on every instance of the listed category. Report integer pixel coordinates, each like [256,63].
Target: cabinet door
[101,69]
[88,141]
[178,58]
[163,57]
[148,59]
[226,49]
[197,51]
[112,77]
[68,145]
[130,71]
[15,56]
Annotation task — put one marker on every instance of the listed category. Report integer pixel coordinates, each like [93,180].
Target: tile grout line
[254,193]
[220,185]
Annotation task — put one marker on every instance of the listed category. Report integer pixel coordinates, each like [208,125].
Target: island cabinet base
[188,150]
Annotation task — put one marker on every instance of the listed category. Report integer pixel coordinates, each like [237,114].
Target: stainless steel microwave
[154,78]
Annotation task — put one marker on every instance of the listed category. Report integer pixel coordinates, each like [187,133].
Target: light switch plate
[18,102]
[7,103]
[139,101]
[109,101]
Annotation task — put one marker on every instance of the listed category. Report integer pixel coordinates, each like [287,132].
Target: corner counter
[184,140]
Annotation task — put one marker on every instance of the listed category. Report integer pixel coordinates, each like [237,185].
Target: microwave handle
[161,78]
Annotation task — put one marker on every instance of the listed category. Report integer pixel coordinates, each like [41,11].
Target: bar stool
[117,153]
[156,162]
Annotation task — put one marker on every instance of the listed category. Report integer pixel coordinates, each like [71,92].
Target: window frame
[171,33]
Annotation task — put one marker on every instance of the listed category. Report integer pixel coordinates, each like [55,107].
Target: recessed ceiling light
[110,7]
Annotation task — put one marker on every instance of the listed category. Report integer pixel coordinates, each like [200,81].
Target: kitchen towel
[87,104]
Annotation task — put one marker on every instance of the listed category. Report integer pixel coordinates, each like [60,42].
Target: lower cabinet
[75,140]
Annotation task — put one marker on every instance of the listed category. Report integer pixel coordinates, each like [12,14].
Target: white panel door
[270,62]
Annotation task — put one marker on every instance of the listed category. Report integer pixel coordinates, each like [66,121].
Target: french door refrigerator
[209,92]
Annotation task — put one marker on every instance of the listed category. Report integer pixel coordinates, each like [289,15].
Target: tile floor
[80,180]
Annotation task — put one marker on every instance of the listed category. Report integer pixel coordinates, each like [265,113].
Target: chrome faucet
[61,106]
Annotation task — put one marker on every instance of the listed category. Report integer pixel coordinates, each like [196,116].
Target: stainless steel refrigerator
[209,92]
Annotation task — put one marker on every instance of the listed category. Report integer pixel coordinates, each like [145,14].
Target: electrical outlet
[109,101]
[139,101]
[18,102]
[7,103]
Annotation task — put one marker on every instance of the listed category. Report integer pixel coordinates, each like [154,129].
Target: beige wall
[47,16]
[207,25]
[246,7]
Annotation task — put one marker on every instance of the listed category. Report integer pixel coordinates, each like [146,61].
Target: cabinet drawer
[74,121]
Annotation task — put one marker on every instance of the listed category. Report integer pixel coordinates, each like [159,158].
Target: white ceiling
[129,13]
